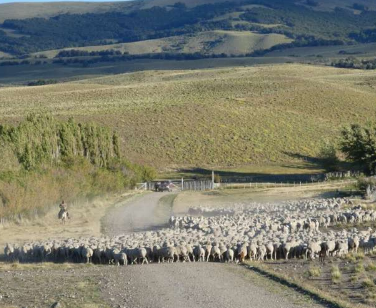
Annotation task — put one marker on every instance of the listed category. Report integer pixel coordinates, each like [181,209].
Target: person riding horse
[63,210]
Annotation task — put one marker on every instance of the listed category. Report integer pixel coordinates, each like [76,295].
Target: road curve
[183,285]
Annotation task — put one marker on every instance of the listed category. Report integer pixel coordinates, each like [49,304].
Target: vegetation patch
[45,160]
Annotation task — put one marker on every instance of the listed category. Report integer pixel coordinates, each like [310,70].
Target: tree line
[45,160]
[355,63]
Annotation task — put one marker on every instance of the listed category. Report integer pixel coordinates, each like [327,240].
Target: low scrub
[359,268]
[368,284]
[335,273]
[371,267]
[314,272]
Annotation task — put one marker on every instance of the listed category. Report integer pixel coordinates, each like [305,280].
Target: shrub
[368,284]
[314,272]
[329,157]
[359,268]
[335,273]
[370,267]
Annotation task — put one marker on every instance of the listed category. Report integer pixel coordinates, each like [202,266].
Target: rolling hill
[51,9]
[207,42]
[25,10]
[211,117]
[213,26]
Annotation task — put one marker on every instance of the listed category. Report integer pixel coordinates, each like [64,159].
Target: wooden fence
[209,185]
[180,185]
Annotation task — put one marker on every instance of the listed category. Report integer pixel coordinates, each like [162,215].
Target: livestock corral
[304,237]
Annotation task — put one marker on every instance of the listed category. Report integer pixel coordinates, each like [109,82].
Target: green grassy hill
[208,42]
[213,117]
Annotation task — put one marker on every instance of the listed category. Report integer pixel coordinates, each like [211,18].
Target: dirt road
[185,284]
[139,214]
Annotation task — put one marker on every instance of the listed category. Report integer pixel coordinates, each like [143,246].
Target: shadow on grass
[246,177]
[317,163]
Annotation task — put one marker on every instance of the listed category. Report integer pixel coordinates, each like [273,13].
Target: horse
[63,216]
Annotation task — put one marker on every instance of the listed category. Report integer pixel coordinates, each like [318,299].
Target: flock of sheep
[294,229]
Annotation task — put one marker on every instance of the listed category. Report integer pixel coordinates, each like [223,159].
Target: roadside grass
[300,286]
[212,118]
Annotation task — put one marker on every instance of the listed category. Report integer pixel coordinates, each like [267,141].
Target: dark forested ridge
[304,24]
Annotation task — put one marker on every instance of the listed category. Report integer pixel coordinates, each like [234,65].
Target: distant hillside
[212,26]
[51,9]
[208,42]
[212,117]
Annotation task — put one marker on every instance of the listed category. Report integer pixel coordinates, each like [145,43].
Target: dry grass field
[211,117]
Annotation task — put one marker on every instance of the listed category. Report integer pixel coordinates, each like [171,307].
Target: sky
[12,1]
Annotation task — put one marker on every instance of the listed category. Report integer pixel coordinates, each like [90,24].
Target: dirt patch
[224,198]
[42,285]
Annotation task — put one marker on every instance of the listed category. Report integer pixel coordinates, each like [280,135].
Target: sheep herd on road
[294,229]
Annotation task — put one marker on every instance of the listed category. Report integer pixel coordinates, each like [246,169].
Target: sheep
[353,243]
[87,254]
[199,253]
[313,249]
[9,252]
[229,255]
[258,232]
[120,257]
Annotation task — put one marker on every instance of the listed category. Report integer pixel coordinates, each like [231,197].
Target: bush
[314,272]
[363,183]
[335,273]
[359,268]
[370,267]
[368,284]
[328,155]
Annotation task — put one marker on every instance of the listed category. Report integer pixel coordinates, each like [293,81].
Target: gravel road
[135,215]
[183,285]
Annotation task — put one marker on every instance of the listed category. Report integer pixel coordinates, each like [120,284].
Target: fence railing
[209,185]
[282,184]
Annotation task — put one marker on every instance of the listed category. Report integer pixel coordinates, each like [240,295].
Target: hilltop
[211,117]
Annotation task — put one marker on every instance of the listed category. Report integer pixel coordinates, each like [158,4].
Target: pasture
[222,118]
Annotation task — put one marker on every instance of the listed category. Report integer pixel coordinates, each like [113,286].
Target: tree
[328,155]
[359,145]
